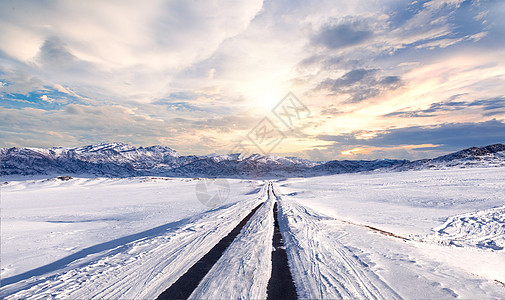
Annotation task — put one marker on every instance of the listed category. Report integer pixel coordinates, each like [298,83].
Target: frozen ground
[416,234]
[109,237]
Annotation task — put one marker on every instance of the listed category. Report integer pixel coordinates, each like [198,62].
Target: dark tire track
[187,283]
[281,284]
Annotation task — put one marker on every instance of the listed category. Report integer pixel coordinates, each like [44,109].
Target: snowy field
[109,237]
[415,234]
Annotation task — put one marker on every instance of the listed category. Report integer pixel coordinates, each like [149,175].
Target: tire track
[280,285]
[206,276]
[322,265]
[187,283]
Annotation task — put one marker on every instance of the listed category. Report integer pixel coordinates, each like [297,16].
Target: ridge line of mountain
[123,160]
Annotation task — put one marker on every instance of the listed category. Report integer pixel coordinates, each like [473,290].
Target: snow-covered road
[243,270]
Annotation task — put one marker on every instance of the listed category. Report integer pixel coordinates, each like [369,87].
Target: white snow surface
[128,238]
[483,229]
[385,235]
[415,234]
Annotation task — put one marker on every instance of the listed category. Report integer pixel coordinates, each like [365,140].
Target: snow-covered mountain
[123,160]
[118,159]
[115,159]
[488,156]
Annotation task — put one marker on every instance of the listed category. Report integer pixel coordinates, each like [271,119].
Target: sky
[320,80]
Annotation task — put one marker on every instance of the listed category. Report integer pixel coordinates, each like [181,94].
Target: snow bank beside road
[483,229]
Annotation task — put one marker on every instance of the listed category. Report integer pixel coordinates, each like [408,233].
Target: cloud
[195,75]
[396,25]
[342,35]
[230,123]
[361,84]
[54,53]
[451,136]
[46,99]
[440,43]
[19,81]
[360,64]
[411,142]
[331,110]
[450,106]
[77,124]
[119,49]
[478,36]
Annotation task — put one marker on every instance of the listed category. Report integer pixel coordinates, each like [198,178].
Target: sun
[267,100]
[264,100]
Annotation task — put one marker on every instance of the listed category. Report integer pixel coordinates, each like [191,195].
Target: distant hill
[123,160]
[488,156]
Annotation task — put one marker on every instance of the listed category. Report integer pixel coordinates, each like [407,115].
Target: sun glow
[368,150]
[265,100]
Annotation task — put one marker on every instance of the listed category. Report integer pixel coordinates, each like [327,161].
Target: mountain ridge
[124,160]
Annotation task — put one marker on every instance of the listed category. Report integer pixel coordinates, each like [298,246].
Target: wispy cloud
[443,138]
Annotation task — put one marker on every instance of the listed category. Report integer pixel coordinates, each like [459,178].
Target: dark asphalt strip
[281,285]
[187,283]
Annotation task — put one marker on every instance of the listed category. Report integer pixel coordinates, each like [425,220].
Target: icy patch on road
[483,229]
